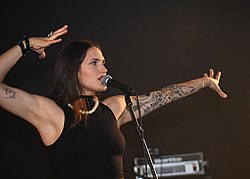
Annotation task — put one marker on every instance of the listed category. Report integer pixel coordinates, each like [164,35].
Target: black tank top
[95,151]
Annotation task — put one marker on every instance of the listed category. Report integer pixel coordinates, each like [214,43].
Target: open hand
[213,82]
[38,44]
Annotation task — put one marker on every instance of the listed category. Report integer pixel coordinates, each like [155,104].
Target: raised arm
[37,44]
[156,99]
[32,108]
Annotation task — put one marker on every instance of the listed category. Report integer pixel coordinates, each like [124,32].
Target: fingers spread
[218,76]
[211,73]
[220,92]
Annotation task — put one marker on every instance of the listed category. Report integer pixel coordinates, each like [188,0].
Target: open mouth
[100,77]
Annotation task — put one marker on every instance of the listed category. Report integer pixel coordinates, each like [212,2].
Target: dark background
[147,44]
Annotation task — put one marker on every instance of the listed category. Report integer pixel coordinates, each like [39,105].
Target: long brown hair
[67,88]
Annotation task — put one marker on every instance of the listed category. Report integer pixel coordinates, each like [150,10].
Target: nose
[103,69]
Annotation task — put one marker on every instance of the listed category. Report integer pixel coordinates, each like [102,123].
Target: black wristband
[27,43]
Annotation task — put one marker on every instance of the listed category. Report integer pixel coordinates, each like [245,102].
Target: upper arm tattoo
[156,99]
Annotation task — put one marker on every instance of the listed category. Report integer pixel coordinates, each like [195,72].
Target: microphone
[107,80]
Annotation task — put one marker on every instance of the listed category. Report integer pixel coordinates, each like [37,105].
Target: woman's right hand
[38,44]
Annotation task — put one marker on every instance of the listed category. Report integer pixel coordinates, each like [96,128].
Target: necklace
[90,111]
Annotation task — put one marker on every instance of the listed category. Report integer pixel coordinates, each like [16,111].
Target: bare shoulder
[116,103]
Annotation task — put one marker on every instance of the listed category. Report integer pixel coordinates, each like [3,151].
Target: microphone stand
[140,133]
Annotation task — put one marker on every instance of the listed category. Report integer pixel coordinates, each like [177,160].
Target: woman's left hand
[213,82]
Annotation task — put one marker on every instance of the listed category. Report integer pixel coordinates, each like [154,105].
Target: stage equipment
[172,165]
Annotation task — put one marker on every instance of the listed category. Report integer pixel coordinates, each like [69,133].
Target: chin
[104,88]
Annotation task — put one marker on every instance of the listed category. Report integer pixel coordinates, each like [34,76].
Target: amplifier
[171,165]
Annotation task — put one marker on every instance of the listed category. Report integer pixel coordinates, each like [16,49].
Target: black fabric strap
[27,43]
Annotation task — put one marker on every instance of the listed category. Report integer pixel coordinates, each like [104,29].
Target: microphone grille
[105,79]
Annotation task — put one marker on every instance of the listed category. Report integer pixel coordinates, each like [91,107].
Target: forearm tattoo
[156,99]
[9,93]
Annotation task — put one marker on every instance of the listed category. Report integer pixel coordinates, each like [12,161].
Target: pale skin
[48,117]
